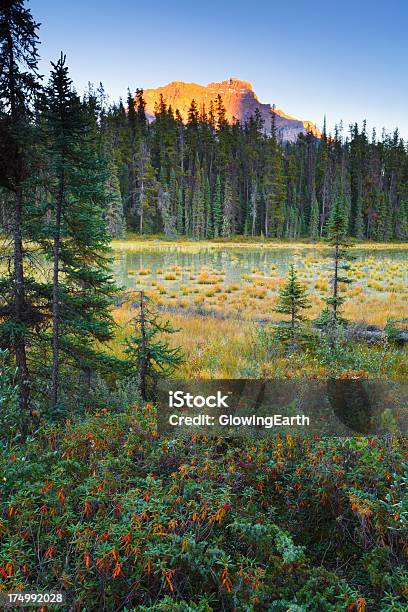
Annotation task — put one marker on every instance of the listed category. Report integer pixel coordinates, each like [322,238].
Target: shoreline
[134,242]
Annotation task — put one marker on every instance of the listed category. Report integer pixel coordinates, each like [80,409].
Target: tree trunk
[56,296]
[19,281]
[141,207]
[19,305]
[266,220]
[143,363]
[253,211]
[335,281]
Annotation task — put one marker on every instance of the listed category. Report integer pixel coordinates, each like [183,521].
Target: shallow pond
[235,262]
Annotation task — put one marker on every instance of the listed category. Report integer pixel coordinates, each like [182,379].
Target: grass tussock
[377,293]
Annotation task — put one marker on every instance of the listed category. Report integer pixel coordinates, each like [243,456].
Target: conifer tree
[18,89]
[146,188]
[193,115]
[165,208]
[150,356]
[253,207]
[228,211]
[314,219]
[74,236]
[209,232]
[140,105]
[217,208]
[63,115]
[337,236]
[220,113]
[292,301]
[114,215]
[188,222]
[274,189]
[173,194]
[197,203]
[402,225]
[211,115]
[358,222]
[131,110]
[180,212]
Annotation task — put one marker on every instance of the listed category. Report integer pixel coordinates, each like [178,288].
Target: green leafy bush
[117,515]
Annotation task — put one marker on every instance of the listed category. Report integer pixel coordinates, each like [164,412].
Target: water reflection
[233,261]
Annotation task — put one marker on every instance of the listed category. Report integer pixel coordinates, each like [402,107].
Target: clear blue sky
[346,59]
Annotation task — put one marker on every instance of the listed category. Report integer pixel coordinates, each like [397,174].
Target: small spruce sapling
[292,301]
[151,357]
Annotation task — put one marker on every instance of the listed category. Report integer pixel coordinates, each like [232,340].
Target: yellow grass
[217,348]
[251,301]
[213,348]
[375,310]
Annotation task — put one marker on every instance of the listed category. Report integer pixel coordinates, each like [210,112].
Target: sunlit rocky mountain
[240,101]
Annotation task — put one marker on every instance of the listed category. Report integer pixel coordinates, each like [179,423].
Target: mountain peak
[234,83]
[239,99]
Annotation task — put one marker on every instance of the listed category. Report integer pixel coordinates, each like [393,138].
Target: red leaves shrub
[98,513]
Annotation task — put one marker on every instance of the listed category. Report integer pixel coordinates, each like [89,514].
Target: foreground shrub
[122,518]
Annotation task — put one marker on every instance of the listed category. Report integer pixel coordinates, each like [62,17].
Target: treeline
[207,178]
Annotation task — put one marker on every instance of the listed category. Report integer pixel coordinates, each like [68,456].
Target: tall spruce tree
[114,214]
[209,232]
[147,188]
[73,233]
[165,207]
[228,211]
[63,116]
[274,189]
[198,203]
[337,236]
[314,219]
[18,89]
[217,208]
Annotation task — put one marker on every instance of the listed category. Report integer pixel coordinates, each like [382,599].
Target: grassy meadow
[377,294]
[221,296]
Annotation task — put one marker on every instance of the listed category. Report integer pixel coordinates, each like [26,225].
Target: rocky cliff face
[239,100]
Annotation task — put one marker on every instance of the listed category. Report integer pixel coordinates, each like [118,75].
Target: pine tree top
[293,296]
[337,226]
